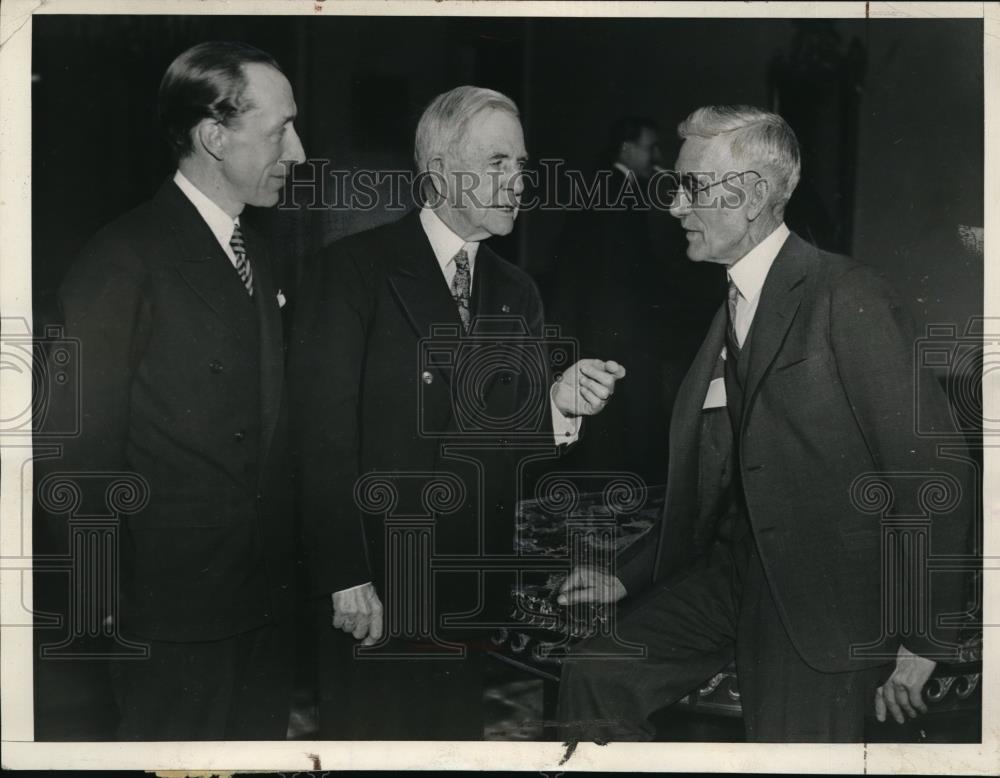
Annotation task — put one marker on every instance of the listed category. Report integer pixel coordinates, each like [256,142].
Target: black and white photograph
[560,386]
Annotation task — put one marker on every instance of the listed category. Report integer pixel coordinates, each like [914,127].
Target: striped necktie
[242,263]
[461,286]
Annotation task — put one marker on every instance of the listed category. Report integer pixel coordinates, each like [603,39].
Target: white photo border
[16,687]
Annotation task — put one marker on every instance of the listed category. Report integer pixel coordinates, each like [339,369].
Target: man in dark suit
[178,316]
[804,383]
[421,382]
[622,286]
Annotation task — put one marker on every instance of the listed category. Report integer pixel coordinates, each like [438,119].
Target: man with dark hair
[177,313]
[208,81]
[634,147]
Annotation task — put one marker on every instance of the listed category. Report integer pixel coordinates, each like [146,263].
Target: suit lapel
[490,295]
[484,281]
[686,417]
[779,302]
[682,504]
[420,286]
[204,265]
[272,355]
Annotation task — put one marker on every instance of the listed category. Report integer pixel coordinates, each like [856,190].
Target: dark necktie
[242,263]
[461,286]
[733,343]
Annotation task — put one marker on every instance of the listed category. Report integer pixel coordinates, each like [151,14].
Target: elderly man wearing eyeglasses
[804,384]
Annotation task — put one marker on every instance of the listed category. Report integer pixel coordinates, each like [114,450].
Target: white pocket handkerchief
[715,397]
[281,299]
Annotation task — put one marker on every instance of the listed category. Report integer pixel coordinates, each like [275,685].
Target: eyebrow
[502,155]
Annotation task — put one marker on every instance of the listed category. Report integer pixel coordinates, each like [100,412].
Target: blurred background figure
[621,285]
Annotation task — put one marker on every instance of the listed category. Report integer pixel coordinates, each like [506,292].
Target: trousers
[692,629]
[237,688]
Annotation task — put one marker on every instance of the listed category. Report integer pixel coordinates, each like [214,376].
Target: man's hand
[359,612]
[585,388]
[588,584]
[902,692]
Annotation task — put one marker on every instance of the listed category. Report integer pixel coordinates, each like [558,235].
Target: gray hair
[444,121]
[757,138]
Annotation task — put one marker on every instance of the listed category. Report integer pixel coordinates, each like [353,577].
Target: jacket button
[239,436]
[215,366]
[427,377]
[505,378]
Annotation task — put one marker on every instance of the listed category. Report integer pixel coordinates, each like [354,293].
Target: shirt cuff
[565,430]
[351,589]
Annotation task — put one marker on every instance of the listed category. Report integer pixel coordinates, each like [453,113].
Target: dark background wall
[920,164]
[889,114]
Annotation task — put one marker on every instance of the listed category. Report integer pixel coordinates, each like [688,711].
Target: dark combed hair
[627,128]
[206,81]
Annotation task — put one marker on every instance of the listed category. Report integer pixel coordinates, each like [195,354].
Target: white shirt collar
[446,244]
[749,272]
[218,221]
[627,171]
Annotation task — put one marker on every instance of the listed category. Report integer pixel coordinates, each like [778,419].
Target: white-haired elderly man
[804,382]
[447,420]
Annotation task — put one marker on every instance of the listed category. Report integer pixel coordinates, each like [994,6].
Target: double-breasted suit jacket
[182,383]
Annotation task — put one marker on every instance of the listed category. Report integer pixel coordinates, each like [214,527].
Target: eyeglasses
[693,186]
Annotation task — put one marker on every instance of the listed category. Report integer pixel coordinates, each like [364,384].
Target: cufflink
[505,308]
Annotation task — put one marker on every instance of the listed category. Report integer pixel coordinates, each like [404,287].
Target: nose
[680,205]
[293,152]
[516,182]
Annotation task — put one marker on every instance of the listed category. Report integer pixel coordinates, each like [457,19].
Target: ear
[436,177]
[757,196]
[210,136]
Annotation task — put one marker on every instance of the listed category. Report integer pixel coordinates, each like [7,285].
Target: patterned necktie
[461,285]
[734,293]
[242,263]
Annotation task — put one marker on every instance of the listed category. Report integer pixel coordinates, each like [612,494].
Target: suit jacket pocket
[792,361]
